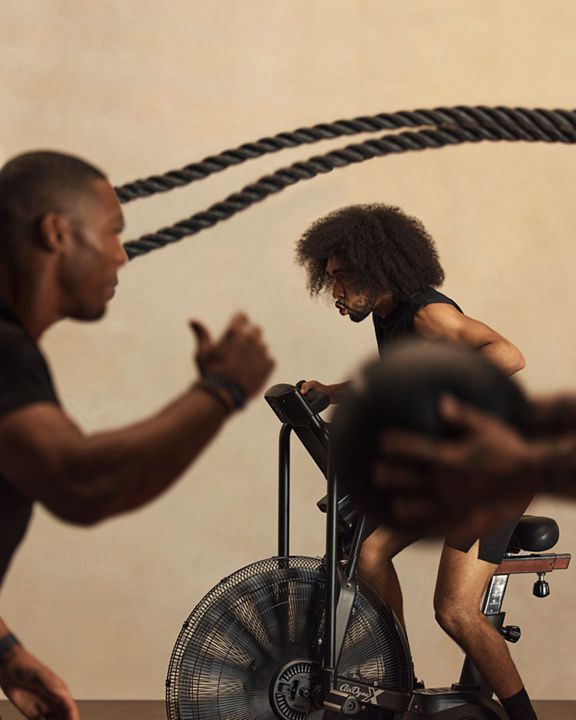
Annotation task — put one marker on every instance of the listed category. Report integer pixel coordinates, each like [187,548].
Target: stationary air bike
[298,638]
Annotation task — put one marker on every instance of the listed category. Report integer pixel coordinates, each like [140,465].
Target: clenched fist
[240,356]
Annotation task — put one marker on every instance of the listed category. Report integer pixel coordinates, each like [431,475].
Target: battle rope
[454,126]
[533,121]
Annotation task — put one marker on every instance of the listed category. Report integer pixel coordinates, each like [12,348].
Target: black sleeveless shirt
[400,322]
[24,379]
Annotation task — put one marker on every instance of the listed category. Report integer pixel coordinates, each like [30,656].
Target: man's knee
[455,616]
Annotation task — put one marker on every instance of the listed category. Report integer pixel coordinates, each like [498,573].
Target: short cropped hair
[384,249]
[35,183]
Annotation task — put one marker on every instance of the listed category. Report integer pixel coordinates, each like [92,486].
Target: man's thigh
[462,578]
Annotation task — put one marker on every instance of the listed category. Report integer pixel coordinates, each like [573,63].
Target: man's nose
[121,256]
[337,290]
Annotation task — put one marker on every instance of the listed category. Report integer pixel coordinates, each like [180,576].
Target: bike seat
[534,534]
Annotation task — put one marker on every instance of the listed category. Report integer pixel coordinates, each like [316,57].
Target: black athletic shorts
[492,546]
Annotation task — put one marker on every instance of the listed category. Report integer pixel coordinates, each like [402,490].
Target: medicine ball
[403,390]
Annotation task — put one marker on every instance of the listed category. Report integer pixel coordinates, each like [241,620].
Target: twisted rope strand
[532,124]
[497,124]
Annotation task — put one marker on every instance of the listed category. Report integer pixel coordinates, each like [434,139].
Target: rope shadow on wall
[437,128]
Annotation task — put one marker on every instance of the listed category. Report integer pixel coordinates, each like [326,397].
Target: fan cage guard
[261,618]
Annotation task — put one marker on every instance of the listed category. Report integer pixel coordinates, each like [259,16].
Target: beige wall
[141,86]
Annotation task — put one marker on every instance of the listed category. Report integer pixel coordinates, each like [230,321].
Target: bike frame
[341,585]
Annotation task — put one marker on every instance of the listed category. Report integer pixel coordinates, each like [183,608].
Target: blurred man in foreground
[60,253]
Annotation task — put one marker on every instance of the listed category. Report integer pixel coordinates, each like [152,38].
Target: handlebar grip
[317,401]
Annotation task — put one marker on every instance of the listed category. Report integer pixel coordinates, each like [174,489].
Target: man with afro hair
[376,260]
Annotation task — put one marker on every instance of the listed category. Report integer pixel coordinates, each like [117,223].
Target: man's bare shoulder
[437,317]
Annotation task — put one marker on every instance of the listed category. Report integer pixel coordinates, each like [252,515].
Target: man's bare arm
[440,321]
[554,415]
[84,479]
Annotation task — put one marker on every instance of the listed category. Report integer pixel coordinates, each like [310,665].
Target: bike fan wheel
[257,636]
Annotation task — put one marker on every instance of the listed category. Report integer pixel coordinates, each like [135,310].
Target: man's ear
[54,228]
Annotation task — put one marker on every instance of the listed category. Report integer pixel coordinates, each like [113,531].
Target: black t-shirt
[24,379]
[400,322]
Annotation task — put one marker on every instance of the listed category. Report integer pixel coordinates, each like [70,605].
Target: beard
[357,312]
[359,315]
